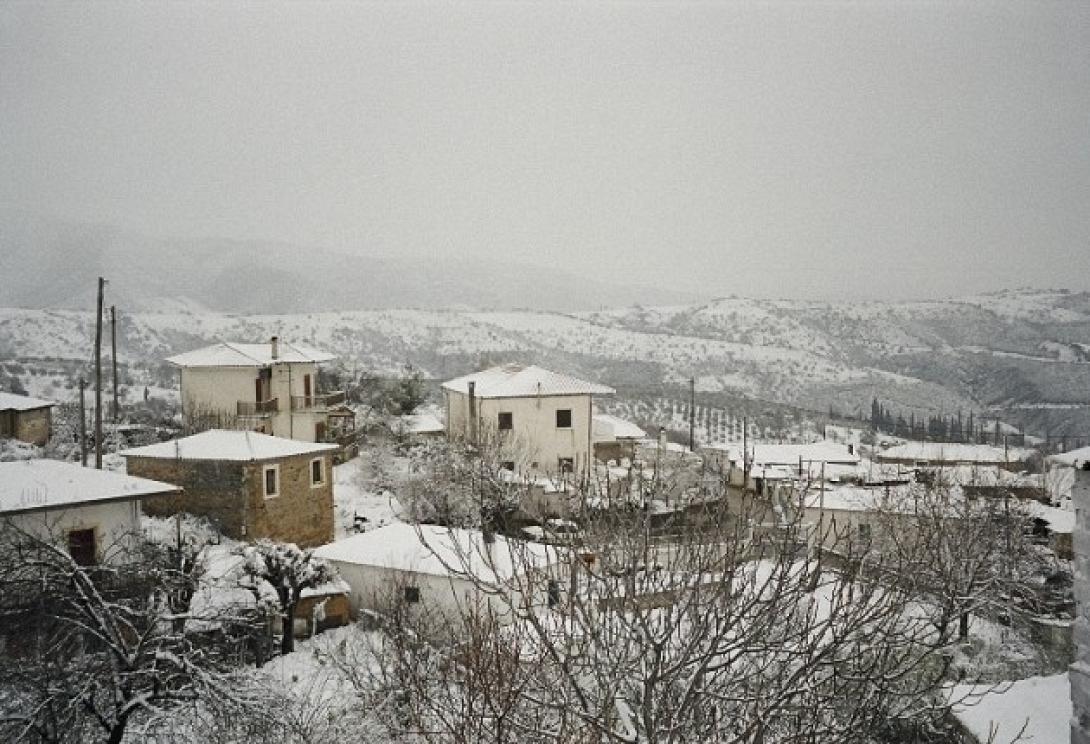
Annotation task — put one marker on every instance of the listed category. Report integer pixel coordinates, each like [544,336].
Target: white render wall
[112,522]
[445,598]
[534,435]
[1080,670]
[219,389]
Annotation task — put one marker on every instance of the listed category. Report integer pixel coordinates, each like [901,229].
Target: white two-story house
[540,420]
[270,388]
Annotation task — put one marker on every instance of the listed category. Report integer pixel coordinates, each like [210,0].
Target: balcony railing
[320,402]
[259,409]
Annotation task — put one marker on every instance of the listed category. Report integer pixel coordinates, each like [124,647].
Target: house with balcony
[270,388]
[539,421]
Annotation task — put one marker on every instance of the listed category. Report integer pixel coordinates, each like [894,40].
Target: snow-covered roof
[32,485]
[523,381]
[790,454]
[859,499]
[13,402]
[438,551]
[421,423]
[1075,458]
[222,444]
[228,354]
[951,452]
[607,428]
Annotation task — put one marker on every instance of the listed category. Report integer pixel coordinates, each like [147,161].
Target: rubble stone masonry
[231,494]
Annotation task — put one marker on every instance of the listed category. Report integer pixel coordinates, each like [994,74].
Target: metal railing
[257,408]
[319,402]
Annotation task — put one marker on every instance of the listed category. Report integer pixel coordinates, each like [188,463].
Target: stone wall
[302,513]
[1080,670]
[212,488]
[232,495]
[33,426]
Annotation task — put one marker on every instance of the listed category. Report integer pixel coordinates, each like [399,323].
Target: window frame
[410,594]
[500,421]
[275,470]
[560,465]
[568,411]
[320,462]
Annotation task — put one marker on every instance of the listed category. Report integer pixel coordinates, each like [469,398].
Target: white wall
[112,523]
[374,588]
[535,433]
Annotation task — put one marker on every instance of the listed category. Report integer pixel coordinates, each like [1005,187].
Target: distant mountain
[1024,355]
[47,262]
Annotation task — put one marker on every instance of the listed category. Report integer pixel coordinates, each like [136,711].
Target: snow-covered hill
[1023,350]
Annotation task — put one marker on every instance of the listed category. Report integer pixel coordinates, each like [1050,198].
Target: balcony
[317,403]
[257,409]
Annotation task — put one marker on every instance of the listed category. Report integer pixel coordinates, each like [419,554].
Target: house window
[864,532]
[317,472]
[508,465]
[506,421]
[553,593]
[412,594]
[272,481]
[567,465]
[563,418]
[81,546]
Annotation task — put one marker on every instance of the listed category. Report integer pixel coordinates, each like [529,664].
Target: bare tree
[719,632]
[288,570]
[90,650]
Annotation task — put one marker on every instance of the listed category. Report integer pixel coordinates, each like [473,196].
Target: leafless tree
[91,653]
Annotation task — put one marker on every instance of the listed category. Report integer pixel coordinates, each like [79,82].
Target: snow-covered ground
[357,498]
[1038,708]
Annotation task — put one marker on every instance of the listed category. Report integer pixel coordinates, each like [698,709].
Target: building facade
[249,485]
[540,421]
[26,419]
[268,388]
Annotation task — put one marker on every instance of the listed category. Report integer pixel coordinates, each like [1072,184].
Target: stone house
[26,419]
[93,513]
[541,421]
[250,485]
[271,388]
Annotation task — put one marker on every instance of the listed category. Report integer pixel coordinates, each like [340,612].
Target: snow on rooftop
[421,423]
[13,402]
[32,485]
[222,444]
[228,354]
[1041,704]
[790,454]
[438,551]
[608,428]
[1075,458]
[952,452]
[522,381]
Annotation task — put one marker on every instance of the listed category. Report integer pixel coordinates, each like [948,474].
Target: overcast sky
[862,149]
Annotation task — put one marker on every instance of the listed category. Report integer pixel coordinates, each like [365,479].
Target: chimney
[274,343]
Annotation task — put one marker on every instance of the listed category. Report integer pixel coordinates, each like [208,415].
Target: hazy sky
[794,149]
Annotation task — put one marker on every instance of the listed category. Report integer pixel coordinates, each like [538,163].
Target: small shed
[26,419]
[614,438]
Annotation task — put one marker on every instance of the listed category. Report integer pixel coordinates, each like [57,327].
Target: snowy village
[444,372]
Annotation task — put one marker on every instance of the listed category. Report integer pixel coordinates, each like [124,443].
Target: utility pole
[82,423]
[98,377]
[113,355]
[692,413]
